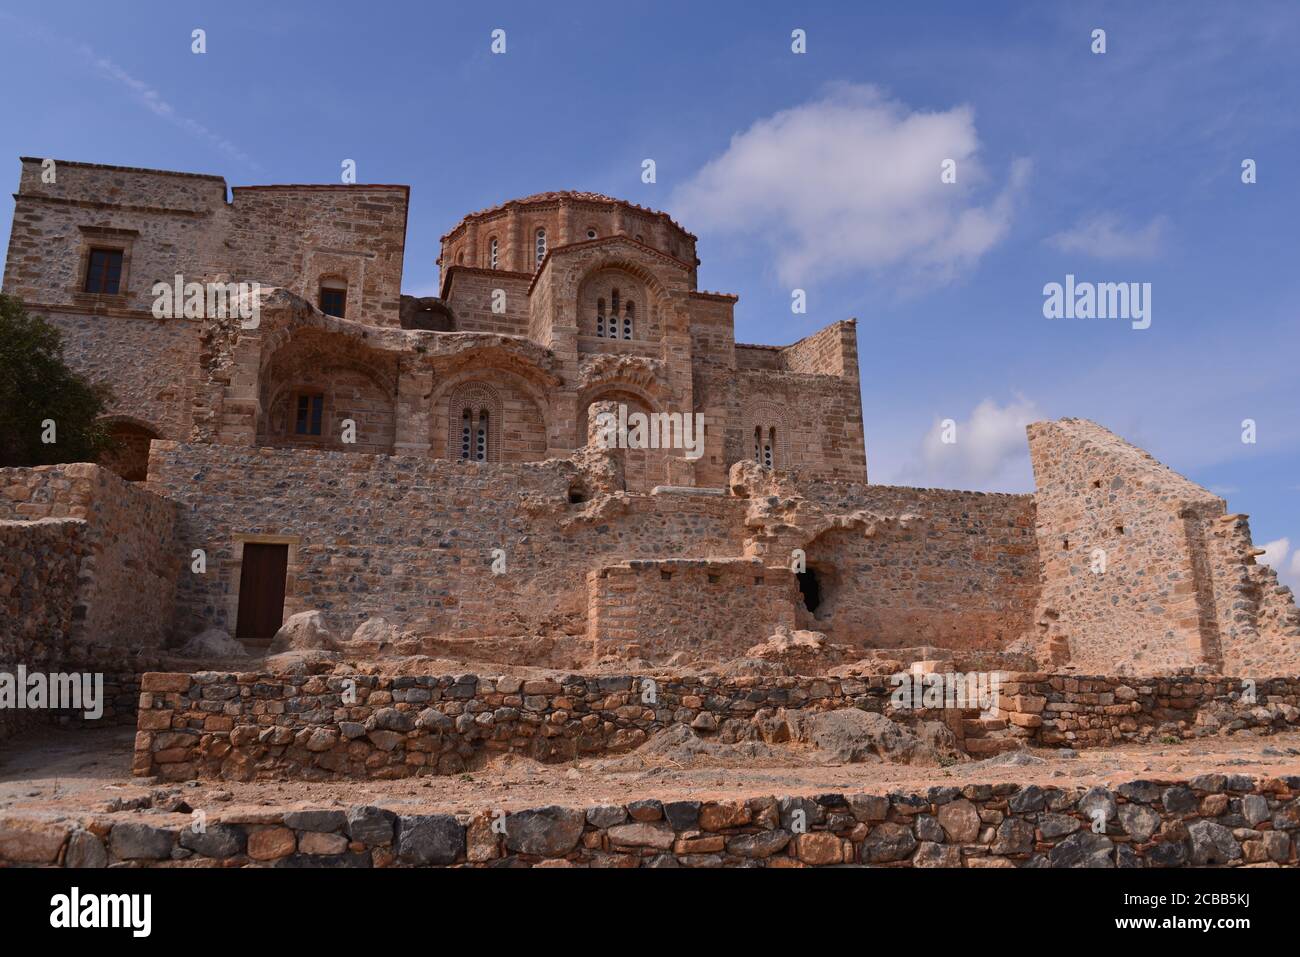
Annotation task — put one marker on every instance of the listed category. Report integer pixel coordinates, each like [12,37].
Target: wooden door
[261,591]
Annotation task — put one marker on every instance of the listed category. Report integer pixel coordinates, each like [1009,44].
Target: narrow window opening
[308,413]
[810,588]
[481,439]
[334,298]
[104,272]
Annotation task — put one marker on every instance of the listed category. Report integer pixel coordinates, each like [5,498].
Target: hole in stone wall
[665,576]
[811,588]
[576,495]
[714,579]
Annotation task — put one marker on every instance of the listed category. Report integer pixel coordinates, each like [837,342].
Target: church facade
[547,304]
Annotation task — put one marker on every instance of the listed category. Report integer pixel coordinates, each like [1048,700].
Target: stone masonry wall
[924,566]
[250,726]
[713,607]
[126,577]
[1142,570]
[1094,712]
[38,587]
[247,726]
[1213,820]
[412,538]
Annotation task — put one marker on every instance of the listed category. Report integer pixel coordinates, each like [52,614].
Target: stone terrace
[246,726]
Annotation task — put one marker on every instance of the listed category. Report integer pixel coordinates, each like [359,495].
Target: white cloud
[1275,555]
[1275,552]
[851,181]
[1104,236]
[990,451]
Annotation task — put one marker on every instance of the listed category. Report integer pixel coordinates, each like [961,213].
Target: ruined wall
[957,570]
[411,538]
[717,607]
[127,572]
[1142,570]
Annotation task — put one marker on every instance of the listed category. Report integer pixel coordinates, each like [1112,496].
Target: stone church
[547,304]
[362,453]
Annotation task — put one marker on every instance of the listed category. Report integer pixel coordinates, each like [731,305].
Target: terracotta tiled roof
[554,196]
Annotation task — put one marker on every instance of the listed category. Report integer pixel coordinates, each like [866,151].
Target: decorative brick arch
[475,397]
[762,417]
[523,407]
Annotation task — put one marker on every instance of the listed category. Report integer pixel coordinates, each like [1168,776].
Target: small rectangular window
[310,408]
[333,302]
[104,271]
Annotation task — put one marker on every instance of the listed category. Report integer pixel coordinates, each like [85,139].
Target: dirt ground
[81,771]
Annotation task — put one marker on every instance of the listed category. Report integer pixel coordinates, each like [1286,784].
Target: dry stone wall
[1095,712]
[1214,820]
[253,725]
[247,726]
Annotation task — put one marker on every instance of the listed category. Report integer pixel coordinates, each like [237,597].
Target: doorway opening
[261,592]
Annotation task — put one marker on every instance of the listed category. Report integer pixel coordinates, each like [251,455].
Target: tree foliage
[37,389]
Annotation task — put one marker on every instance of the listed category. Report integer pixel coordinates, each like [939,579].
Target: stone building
[433,461]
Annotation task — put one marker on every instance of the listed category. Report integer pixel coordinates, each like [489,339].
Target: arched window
[610,325]
[494,253]
[540,247]
[475,409]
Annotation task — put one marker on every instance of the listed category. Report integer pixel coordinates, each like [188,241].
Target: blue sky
[817,171]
